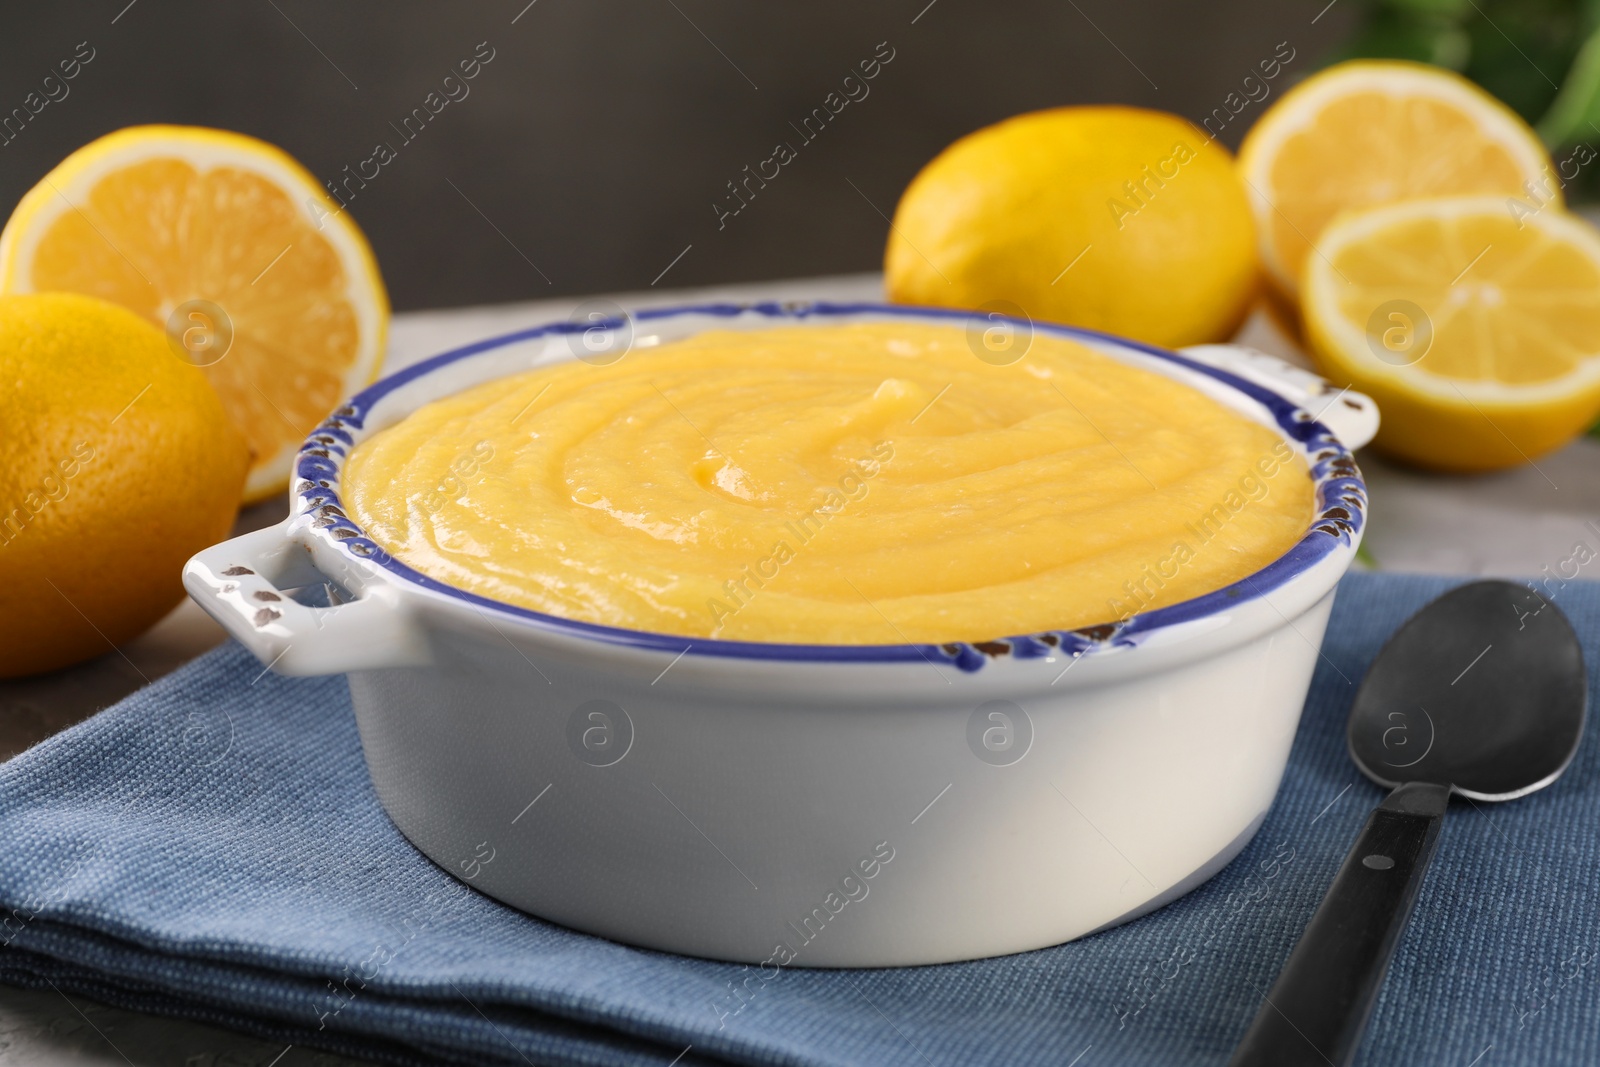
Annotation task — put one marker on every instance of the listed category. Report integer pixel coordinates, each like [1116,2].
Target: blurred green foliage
[1542,57]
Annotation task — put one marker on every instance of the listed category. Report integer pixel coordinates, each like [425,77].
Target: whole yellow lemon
[117,463]
[1115,218]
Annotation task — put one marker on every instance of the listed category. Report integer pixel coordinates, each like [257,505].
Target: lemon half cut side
[1370,132]
[234,250]
[1476,329]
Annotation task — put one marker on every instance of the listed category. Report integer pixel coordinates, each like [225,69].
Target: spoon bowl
[1483,690]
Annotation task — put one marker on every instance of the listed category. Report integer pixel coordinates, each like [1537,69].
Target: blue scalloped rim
[1341,508]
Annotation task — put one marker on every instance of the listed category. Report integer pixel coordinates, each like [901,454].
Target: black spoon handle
[1318,1009]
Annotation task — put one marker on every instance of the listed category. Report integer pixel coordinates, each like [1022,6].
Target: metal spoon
[1482,693]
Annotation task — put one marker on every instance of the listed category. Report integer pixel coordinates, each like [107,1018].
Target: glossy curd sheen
[873,483]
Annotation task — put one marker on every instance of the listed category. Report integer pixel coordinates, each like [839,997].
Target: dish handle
[241,583]
[1352,416]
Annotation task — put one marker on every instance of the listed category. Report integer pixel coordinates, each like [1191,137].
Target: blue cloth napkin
[211,848]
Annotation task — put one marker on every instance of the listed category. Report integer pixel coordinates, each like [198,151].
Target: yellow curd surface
[858,484]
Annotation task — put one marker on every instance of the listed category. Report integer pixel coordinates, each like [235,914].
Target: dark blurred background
[600,134]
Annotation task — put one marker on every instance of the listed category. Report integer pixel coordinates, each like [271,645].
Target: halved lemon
[1476,328]
[1373,132]
[236,251]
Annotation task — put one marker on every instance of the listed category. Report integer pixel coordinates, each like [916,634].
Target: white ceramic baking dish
[798,804]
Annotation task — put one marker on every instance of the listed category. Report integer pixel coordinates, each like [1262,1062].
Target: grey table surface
[1519,523]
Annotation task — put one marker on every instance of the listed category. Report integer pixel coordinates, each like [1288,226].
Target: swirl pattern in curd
[871,483]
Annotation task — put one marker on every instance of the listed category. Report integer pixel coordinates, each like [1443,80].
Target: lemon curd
[872,483]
